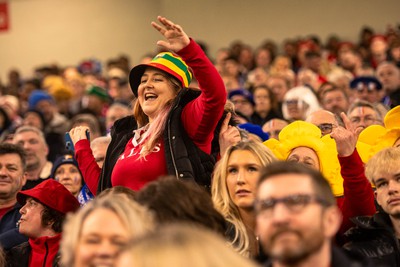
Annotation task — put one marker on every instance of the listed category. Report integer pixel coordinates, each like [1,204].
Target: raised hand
[229,135]
[345,137]
[176,38]
[78,133]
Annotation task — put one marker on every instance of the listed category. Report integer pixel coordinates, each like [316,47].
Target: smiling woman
[170,121]
[66,171]
[94,235]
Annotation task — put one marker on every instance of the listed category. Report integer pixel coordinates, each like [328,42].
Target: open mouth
[150,97]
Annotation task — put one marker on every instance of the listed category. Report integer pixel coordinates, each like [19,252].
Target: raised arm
[358,193]
[200,116]
[84,156]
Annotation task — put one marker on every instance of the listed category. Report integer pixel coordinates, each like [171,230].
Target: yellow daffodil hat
[304,134]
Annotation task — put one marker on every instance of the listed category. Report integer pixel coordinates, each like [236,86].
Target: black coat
[19,256]
[374,237]
[341,258]
[184,159]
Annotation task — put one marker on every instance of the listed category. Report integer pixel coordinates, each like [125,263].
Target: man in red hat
[44,209]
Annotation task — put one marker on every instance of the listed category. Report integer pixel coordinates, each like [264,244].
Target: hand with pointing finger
[345,137]
[228,136]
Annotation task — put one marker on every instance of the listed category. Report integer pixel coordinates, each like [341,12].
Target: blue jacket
[9,234]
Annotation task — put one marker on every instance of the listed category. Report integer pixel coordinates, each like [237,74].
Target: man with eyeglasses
[363,114]
[297,218]
[325,120]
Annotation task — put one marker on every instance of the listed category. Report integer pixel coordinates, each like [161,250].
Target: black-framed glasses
[326,128]
[293,203]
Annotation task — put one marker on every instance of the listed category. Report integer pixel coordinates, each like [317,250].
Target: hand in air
[176,38]
[78,133]
[345,137]
[228,136]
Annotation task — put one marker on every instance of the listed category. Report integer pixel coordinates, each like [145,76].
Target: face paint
[361,111]
[76,179]
[271,124]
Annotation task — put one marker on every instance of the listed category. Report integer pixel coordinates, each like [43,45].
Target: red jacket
[359,197]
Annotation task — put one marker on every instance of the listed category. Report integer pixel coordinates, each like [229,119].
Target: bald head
[324,119]
[321,116]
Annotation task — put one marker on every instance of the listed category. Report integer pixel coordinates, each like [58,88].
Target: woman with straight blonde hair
[233,192]
[94,235]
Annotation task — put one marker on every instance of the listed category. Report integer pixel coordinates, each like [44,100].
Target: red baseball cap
[52,194]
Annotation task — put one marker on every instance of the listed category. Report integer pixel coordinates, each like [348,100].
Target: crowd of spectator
[281,155]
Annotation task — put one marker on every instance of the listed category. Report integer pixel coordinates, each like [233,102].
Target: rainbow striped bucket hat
[165,61]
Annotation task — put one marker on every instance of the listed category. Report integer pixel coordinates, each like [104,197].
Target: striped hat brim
[166,62]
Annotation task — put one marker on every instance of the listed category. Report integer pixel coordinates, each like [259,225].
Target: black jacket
[184,159]
[374,237]
[19,256]
[341,258]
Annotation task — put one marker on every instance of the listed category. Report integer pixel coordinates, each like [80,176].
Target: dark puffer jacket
[341,258]
[374,238]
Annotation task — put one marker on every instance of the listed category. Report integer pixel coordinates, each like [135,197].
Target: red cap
[52,194]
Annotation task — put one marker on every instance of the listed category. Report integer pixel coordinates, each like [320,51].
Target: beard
[291,253]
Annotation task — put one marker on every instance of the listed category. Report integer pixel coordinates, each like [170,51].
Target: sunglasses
[326,128]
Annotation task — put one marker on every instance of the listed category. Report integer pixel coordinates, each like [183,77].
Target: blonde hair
[157,127]
[182,245]
[385,161]
[220,195]
[28,128]
[137,219]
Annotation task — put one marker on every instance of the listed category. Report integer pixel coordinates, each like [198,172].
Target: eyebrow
[11,164]
[379,180]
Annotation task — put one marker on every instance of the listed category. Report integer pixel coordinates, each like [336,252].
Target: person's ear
[332,219]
